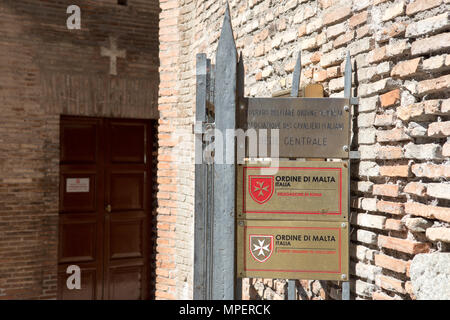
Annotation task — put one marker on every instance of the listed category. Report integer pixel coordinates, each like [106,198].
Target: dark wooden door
[105,207]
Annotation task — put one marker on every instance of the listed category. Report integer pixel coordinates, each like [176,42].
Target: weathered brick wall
[400,195]
[47,70]
[175,161]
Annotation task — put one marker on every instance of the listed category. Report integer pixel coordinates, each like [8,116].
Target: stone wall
[47,70]
[400,194]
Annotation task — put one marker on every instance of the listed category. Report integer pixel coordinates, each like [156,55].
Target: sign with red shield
[293,190]
[260,188]
[261,247]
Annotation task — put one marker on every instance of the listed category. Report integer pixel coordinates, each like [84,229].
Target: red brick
[261,36]
[397,134]
[406,68]
[408,269]
[168,4]
[334,72]
[308,73]
[434,85]
[377,55]
[167,281]
[390,152]
[281,26]
[428,211]
[416,188]
[358,19]
[395,171]
[390,98]
[409,289]
[161,295]
[394,10]
[163,195]
[167,218]
[390,207]
[324,4]
[389,190]
[336,15]
[382,296]
[438,42]
[392,284]
[320,75]
[446,148]
[315,58]
[165,250]
[403,245]
[391,263]
[344,39]
[301,31]
[394,224]
[421,5]
[384,120]
[439,234]
[164,180]
[363,31]
[259,50]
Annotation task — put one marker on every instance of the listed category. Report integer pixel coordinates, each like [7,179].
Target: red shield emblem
[261,188]
[261,247]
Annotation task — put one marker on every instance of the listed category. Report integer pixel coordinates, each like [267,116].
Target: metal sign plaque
[310,250]
[309,127]
[299,190]
[77,185]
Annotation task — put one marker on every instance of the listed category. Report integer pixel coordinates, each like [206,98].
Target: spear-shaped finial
[240,76]
[227,8]
[226,36]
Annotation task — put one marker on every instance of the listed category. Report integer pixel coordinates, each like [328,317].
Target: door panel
[126,238]
[128,142]
[105,220]
[78,240]
[88,289]
[126,190]
[127,222]
[79,141]
[125,283]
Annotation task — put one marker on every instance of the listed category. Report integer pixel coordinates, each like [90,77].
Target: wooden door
[105,207]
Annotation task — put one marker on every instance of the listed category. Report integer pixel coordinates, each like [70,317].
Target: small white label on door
[77,185]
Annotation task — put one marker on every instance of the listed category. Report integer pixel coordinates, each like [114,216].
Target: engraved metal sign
[309,127]
[300,190]
[315,250]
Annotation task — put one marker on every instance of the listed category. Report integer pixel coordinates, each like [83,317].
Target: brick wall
[47,70]
[175,161]
[401,202]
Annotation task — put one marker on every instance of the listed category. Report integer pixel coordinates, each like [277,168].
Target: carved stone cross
[113,53]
